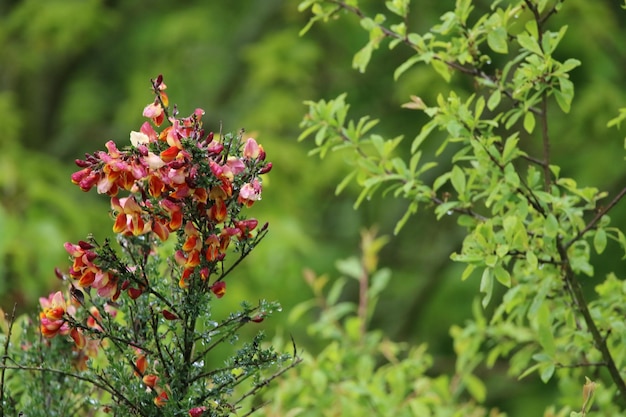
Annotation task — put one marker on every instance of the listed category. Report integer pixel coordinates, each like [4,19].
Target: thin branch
[5,356]
[599,341]
[154,321]
[471,71]
[596,218]
[547,176]
[258,238]
[296,360]
[582,365]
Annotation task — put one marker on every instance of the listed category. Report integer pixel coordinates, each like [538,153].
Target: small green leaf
[350,267]
[467,272]
[300,309]
[475,387]
[551,226]
[599,240]
[368,23]
[532,260]
[486,286]
[441,180]
[496,39]
[362,58]
[424,132]
[457,178]
[529,371]
[494,99]
[344,183]
[510,149]
[569,65]
[412,209]
[545,335]
[335,291]
[398,7]
[565,95]
[547,371]
[529,122]
[529,43]
[442,68]
[380,279]
[503,276]
[491,260]
[406,65]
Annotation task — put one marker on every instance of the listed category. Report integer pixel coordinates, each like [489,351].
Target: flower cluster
[172,178]
[178,177]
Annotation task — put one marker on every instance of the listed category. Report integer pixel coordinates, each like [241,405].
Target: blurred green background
[75,73]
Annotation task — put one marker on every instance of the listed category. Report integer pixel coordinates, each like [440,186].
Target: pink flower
[197,411]
[51,317]
[249,193]
[155,112]
[252,149]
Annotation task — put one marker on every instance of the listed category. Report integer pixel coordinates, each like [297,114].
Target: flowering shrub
[136,315]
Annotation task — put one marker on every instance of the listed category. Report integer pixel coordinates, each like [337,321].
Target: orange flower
[150,380]
[78,337]
[141,364]
[161,399]
[175,212]
[218,211]
[129,218]
[193,241]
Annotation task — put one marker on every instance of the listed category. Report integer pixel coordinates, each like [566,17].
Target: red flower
[168,315]
[134,293]
[219,289]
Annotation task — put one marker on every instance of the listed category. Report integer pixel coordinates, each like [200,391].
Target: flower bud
[85,245]
[265,169]
[58,273]
[258,318]
[169,315]
[81,163]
